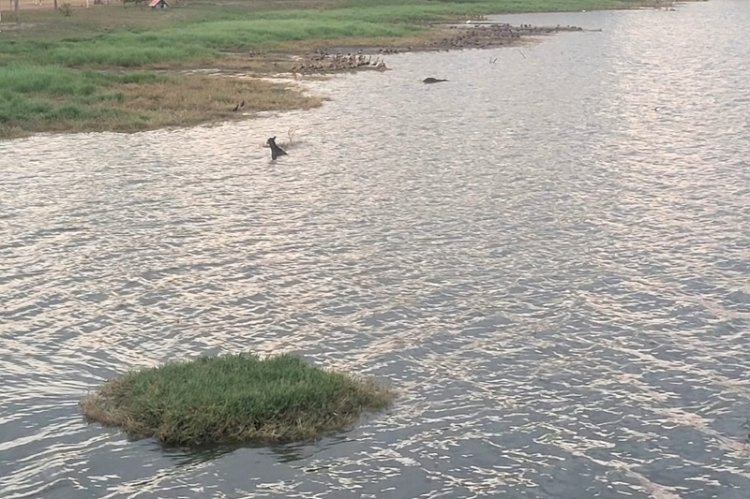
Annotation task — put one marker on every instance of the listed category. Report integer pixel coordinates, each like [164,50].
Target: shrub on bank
[233,399]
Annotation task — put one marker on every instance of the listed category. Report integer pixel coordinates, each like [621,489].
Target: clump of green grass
[234,399]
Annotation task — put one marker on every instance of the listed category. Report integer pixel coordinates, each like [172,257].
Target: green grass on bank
[199,32]
[115,40]
[234,399]
[59,95]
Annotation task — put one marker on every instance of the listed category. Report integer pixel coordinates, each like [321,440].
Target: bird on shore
[276,151]
[432,80]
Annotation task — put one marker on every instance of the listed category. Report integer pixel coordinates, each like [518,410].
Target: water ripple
[547,257]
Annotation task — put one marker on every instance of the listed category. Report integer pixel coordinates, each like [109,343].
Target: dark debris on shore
[483,34]
[323,62]
[471,35]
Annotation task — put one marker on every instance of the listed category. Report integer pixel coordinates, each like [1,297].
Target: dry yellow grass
[190,99]
[177,100]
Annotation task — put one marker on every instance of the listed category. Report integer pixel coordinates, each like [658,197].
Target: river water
[548,256]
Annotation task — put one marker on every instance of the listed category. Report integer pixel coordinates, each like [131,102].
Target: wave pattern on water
[548,257]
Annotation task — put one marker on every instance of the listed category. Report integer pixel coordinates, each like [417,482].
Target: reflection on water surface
[548,256]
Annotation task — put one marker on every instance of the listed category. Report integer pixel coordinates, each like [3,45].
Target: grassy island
[234,399]
[126,67]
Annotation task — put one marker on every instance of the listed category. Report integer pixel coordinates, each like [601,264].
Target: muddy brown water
[548,256]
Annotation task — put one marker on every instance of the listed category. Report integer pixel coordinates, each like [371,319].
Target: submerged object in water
[276,151]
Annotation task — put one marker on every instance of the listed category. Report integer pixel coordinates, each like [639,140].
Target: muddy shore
[473,34]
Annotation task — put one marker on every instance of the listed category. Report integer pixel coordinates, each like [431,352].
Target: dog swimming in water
[276,151]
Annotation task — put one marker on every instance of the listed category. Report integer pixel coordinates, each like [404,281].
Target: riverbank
[115,68]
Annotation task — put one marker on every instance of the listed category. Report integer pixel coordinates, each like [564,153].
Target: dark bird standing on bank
[432,80]
[276,151]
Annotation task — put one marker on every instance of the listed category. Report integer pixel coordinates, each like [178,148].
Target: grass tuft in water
[234,399]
